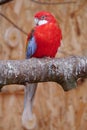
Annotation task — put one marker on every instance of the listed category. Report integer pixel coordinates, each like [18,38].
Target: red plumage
[48,36]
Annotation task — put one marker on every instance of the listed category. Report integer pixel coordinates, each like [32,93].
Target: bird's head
[43,17]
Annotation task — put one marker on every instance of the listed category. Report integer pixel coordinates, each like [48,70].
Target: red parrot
[45,39]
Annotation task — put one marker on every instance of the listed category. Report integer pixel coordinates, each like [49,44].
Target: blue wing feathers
[31,48]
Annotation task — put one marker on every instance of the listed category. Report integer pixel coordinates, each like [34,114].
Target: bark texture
[65,71]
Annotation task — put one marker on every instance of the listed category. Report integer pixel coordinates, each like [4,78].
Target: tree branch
[4,1]
[53,3]
[11,22]
[64,71]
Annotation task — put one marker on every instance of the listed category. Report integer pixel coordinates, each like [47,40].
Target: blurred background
[54,108]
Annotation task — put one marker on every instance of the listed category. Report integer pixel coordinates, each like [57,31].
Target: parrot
[43,41]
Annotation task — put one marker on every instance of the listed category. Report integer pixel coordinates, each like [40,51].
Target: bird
[43,41]
[45,38]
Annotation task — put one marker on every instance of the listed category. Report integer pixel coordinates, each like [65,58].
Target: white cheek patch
[41,22]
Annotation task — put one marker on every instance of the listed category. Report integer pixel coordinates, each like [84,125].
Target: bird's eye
[43,17]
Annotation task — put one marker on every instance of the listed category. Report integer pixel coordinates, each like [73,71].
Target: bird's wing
[31,45]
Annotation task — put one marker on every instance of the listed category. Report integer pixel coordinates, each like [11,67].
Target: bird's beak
[36,21]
